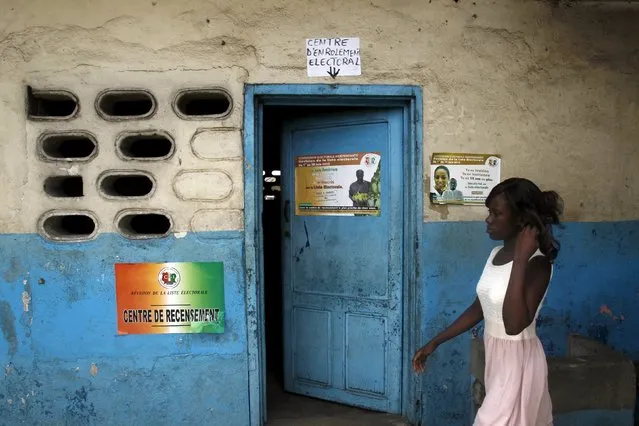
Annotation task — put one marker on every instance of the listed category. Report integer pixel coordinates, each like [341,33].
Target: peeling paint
[179,235]
[93,370]
[26,299]
[73,170]
[79,407]
[605,310]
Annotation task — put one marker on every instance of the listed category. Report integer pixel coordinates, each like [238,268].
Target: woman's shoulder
[493,253]
[495,250]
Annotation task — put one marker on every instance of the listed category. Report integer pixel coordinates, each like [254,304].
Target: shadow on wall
[603,35]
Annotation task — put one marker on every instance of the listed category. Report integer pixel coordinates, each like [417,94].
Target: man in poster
[359,190]
[453,195]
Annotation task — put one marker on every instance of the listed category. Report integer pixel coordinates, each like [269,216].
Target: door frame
[409,98]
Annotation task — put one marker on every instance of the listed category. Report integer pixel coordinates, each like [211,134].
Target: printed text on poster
[157,298]
[463,178]
[338,184]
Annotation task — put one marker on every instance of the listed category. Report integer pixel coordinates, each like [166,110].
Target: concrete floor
[285,409]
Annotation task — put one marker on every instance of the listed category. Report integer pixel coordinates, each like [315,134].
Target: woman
[441,175]
[510,292]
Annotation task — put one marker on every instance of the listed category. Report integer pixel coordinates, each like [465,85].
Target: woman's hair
[442,168]
[533,207]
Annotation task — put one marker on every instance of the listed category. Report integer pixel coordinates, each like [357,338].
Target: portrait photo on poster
[464,179]
[347,184]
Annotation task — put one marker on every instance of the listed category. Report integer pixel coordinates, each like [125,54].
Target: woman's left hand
[526,244]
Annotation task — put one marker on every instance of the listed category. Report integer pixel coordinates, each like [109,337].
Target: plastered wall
[550,87]
[200,186]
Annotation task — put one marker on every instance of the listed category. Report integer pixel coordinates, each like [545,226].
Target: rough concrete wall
[200,186]
[552,88]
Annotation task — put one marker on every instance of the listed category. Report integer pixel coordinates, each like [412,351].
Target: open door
[342,200]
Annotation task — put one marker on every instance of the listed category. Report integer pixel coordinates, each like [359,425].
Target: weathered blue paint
[596,288]
[410,99]
[598,265]
[326,94]
[47,352]
[253,244]
[70,324]
[343,275]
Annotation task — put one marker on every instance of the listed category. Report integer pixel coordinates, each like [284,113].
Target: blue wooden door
[343,269]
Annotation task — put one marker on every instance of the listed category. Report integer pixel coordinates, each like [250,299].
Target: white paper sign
[333,57]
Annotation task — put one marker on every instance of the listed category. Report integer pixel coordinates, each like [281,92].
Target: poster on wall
[463,178]
[163,298]
[338,184]
[333,57]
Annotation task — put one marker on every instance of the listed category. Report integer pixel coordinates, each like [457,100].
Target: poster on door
[463,178]
[163,298]
[338,184]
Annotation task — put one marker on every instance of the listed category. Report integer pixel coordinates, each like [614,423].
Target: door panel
[312,359]
[365,363]
[343,272]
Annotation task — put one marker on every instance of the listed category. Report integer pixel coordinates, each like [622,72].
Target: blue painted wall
[47,352]
[595,291]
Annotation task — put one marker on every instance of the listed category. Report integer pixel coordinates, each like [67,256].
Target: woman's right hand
[419,360]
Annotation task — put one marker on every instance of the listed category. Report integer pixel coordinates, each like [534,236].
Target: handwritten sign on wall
[333,57]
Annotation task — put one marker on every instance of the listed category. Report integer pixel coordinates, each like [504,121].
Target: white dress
[516,374]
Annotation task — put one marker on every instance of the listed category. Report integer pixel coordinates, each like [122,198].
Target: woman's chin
[493,237]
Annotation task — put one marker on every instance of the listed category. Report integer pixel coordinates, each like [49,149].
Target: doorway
[333,339]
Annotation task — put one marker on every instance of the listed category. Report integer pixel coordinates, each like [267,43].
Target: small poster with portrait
[464,179]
